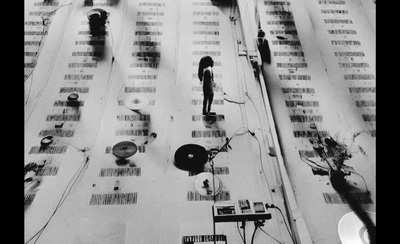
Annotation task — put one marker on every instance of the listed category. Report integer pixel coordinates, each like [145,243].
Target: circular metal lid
[352,230]
[73,97]
[136,102]
[124,149]
[204,184]
[190,156]
[47,140]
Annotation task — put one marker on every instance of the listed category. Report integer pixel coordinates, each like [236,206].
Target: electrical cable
[237,226]
[254,233]
[269,235]
[62,199]
[231,101]
[284,220]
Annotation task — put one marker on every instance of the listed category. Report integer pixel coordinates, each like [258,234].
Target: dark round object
[124,149]
[73,97]
[190,157]
[47,140]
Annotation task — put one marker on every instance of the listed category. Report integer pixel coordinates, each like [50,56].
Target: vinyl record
[136,102]
[352,230]
[204,184]
[190,157]
[124,149]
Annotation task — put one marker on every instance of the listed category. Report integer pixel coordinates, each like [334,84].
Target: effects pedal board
[242,210]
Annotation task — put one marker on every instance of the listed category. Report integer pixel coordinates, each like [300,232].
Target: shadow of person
[340,184]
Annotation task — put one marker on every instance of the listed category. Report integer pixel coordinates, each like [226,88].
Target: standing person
[263,47]
[206,77]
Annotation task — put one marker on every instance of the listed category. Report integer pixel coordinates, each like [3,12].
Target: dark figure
[263,47]
[206,78]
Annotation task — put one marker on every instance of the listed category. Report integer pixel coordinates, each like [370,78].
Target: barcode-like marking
[344,42]
[217,171]
[216,63]
[148,33]
[206,23]
[291,65]
[278,13]
[47,171]
[205,32]
[132,132]
[285,42]
[294,77]
[331,2]
[88,32]
[146,54]
[63,117]
[267,2]
[334,11]
[337,32]
[48,150]
[134,117]
[219,117]
[202,238]
[141,149]
[142,77]
[338,21]
[297,90]
[144,65]
[200,88]
[281,22]
[74,89]
[32,43]
[283,32]
[208,133]
[349,54]
[362,89]
[122,102]
[205,13]
[148,23]
[206,43]
[309,133]
[141,13]
[202,3]
[30,54]
[140,89]
[305,118]
[113,199]
[82,65]
[78,77]
[152,4]
[297,103]
[35,33]
[336,198]
[216,76]
[353,65]
[33,23]
[85,54]
[221,196]
[117,172]
[364,103]
[28,198]
[146,43]
[211,53]
[369,117]
[214,102]
[62,103]
[40,13]
[58,133]
[91,42]
[359,77]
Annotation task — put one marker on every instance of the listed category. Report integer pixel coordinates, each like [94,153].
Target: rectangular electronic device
[243,210]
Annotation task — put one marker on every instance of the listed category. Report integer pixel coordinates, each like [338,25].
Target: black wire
[237,225]
[61,201]
[254,233]
[287,227]
[269,235]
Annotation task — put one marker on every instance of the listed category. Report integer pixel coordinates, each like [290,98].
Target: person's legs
[205,99]
[210,100]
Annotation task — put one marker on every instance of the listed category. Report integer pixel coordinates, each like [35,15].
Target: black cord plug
[267,206]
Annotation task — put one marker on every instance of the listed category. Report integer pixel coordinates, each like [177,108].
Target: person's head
[205,62]
[261,33]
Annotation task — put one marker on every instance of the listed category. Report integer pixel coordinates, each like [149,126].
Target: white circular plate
[352,230]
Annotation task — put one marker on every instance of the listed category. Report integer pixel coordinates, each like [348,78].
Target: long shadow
[342,187]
